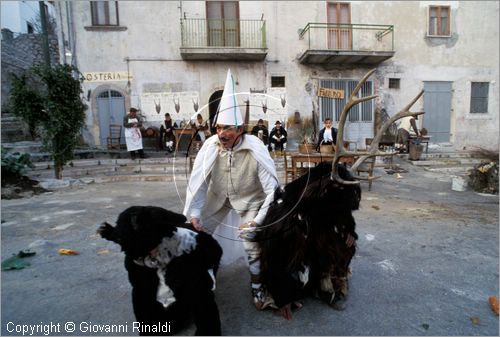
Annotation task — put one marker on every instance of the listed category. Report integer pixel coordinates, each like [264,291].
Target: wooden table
[299,161]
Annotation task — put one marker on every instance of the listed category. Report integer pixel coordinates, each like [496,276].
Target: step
[454,170]
[446,155]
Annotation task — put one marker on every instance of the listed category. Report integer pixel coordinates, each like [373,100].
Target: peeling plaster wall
[153,37]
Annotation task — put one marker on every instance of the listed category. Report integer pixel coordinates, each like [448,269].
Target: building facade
[289,60]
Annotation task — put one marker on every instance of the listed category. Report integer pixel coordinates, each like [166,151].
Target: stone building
[21,48]
[289,57]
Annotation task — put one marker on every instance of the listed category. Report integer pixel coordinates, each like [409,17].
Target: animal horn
[405,112]
[340,150]
[374,151]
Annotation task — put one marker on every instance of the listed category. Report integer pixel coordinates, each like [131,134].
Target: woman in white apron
[133,136]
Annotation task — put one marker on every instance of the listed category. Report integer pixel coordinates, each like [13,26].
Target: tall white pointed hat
[229,111]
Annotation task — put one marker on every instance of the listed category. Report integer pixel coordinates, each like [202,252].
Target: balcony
[223,40]
[347,44]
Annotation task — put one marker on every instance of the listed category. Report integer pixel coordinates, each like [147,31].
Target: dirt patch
[19,187]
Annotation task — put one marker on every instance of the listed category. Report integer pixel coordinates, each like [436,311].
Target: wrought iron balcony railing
[222,33]
[349,37]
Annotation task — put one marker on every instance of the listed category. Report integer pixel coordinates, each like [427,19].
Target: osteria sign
[331,93]
[106,76]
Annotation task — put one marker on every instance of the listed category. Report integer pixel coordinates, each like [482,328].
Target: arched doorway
[213,105]
[111,110]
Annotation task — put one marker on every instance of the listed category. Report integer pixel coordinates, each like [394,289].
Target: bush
[15,164]
[50,97]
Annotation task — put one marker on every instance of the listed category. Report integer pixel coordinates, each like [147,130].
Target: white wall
[152,41]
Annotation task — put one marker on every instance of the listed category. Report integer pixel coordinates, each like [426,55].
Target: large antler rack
[374,151]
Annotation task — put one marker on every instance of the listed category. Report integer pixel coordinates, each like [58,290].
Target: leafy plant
[15,164]
[58,108]
[26,102]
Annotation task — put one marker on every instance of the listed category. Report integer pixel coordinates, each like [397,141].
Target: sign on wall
[106,76]
[331,93]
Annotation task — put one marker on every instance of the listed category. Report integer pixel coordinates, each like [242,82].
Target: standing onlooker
[327,135]
[133,136]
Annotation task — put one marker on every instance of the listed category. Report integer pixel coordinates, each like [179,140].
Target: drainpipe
[45,34]
[71,33]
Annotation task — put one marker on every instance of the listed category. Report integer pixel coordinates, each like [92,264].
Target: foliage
[59,98]
[15,164]
[484,177]
[26,102]
[65,111]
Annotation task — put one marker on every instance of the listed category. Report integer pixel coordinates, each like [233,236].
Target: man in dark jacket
[278,137]
[327,135]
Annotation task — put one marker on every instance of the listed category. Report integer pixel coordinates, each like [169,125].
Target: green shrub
[15,164]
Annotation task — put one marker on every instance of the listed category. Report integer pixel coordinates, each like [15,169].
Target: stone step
[455,170]
[24,146]
[446,162]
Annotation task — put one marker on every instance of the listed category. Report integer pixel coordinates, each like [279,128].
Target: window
[479,97]
[331,108]
[439,20]
[223,23]
[104,13]
[394,83]
[339,13]
[277,81]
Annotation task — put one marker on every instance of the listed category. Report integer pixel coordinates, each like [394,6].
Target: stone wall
[19,53]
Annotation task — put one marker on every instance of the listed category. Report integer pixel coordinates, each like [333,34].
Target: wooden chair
[115,135]
[288,166]
[367,167]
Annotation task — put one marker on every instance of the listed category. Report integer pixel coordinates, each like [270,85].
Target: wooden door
[223,23]
[437,107]
[340,36]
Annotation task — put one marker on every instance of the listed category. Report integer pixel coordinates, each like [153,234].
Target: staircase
[13,129]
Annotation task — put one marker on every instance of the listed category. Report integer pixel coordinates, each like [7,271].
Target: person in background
[133,136]
[278,137]
[261,132]
[167,136]
[202,127]
[327,135]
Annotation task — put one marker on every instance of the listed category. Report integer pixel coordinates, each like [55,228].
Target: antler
[340,150]
[405,112]
[362,156]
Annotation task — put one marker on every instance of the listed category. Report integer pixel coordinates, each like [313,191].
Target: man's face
[328,124]
[229,135]
[278,126]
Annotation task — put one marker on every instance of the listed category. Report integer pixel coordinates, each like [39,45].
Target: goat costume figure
[171,269]
[303,238]
[307,238]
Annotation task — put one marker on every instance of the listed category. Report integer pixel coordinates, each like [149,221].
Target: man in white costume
[233,174]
